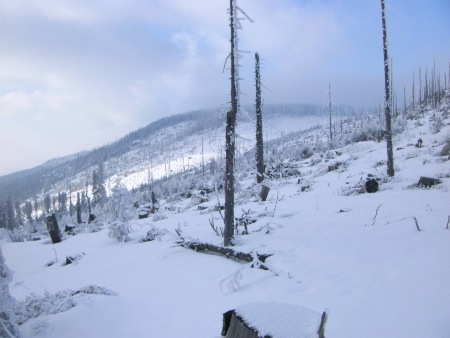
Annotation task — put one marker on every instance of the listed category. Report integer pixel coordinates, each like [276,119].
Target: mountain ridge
[27,183]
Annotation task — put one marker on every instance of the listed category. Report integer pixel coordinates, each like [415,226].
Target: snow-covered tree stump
[53,228]
[268,320]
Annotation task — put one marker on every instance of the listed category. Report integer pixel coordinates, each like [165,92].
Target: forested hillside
[336,234]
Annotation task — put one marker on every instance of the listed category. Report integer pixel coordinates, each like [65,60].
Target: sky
[78,74]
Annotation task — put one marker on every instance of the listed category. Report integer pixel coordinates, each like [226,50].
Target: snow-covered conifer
[118,211]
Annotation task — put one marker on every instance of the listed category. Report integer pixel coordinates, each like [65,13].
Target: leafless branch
[376,213]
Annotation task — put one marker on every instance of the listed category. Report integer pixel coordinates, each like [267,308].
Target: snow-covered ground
[358,256]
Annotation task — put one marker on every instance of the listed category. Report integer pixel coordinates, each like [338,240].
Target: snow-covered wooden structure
[273,320]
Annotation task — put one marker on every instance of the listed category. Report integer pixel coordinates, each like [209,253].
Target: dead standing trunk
[387,103]
[329,106]
[259,131]
[230,138]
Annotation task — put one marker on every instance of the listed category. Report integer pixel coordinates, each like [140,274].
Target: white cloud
[103,68]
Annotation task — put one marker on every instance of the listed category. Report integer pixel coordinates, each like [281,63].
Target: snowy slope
[357,255]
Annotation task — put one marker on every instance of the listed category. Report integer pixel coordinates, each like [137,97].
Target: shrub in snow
[35,306]
[400,125]
[305,152]
[120,204]
[445,151]
[5,236]
[7,326]
[437,124]
[40,327]
[159,216]
[371,132]
[330,154]
[154,233]
[28,232]
[119,230]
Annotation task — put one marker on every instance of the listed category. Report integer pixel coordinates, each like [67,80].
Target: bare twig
[323,321]
[179,232]
[218,205]
[211,222]
[225,63]
[273,214]
[417,224]
[448,221]
[405,218]
[376,213]
[245,14]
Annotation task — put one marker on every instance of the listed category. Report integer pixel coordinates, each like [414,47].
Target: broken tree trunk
[226,252]
[53,228]
[264,192]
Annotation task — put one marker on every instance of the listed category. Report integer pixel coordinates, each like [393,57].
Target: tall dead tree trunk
[404,101]
[78,209]
[230,137]
[413,90]
[329,106]
[387,103]
[259,131]
[420,89]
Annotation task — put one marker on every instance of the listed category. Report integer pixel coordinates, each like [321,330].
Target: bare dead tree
[413,90]
[387,103]
[230,130]
[420,89]
[404,100]
[259,131]
[329,106]
[230,136]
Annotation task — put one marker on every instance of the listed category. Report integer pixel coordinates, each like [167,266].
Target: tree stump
[91,218]
[264,192]
[70,230]
[371,186]
[266,320]
[445,149]
[53,228]
[143,214]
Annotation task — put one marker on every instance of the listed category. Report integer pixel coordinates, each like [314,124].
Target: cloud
[95,70]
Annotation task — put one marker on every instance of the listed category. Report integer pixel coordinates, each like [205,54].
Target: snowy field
[358,256]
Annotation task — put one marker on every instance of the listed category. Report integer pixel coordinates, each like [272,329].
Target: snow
[280,320]
[358,256]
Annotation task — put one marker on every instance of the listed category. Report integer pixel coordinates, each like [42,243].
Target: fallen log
[428,182]
[227,253]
